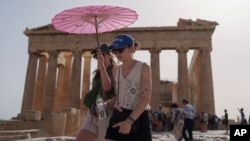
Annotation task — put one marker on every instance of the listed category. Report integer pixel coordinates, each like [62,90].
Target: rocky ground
[211,135]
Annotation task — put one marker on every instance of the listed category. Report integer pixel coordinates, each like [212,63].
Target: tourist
[217,121]
[133,85]
[225,120]
[243,120]
[249,119]
[94,128]
[189,114]
[159,120]
[177,120]
[204,121]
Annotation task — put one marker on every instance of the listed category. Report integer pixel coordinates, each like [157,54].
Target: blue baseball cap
[122,41]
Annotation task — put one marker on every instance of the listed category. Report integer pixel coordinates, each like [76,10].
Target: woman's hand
[100,59]
[118,107]
[106,104]
[123,127]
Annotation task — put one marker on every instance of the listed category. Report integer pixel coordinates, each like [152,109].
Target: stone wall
[67,122]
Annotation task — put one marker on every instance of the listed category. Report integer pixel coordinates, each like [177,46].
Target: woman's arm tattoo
[145,90]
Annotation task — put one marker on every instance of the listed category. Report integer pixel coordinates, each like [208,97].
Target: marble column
[60,96]
[76,80]
[206,81]
[182,86]
[40,82]
[194,79]
[50,84]
[86,75]
[155,101]
[29,82]
[67,79]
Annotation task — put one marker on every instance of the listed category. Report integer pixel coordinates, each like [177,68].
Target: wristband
[130,120]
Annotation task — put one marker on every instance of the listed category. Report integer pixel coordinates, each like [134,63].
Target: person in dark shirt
[93,128]
[242,117]
[226,120]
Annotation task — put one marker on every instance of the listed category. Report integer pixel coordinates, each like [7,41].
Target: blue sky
[229,56]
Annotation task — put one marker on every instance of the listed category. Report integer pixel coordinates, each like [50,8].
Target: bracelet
[130,120]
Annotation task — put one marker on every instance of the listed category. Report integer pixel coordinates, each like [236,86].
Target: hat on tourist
[105,48]
[122,41]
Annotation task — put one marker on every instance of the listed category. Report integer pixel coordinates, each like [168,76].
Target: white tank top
[129,88]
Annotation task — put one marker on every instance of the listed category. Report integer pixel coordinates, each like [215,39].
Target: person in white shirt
[178,121]
[133,85]
[189,114]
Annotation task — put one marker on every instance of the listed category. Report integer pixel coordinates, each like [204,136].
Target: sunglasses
[118,50]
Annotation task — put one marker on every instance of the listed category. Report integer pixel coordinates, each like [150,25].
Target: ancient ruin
[56,80]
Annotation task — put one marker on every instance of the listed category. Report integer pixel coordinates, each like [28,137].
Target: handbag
[90,97]
[118,116]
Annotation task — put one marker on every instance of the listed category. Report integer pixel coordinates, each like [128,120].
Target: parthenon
[59,68]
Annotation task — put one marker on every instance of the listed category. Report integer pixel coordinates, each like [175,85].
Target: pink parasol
[94,19]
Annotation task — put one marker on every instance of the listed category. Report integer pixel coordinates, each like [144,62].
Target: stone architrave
[206,81]
[30,82]
[76,80]
[182,86]
[40,82]
[155,101]
[86,75]
[50,84]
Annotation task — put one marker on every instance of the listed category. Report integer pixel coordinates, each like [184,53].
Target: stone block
[69,110]
[55,124]
[31,115]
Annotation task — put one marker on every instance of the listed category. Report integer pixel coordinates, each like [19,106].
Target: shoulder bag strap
[118,83]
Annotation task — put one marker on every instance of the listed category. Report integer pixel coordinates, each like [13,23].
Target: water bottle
[101,112]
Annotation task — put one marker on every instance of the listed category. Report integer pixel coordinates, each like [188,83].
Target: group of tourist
[179,120]
[174,120]
[205,121]
[183,121]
